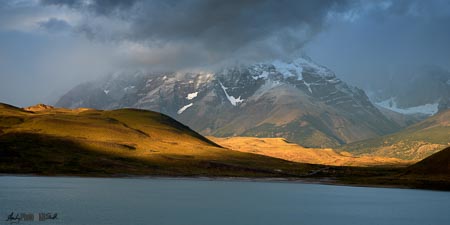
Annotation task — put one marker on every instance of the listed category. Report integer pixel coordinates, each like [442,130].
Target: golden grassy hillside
[47,140]
[280,148]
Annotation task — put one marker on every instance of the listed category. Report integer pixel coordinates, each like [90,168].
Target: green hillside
[52,141]
[416,142]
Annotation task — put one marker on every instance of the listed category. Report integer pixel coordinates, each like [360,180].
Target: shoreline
[293,180]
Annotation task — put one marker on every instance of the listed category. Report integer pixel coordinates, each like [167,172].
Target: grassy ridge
[125,141]
[413,143]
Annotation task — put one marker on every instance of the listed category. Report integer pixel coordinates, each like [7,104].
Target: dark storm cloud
[252,28]
[376,44]
[55,25]
[365,42]
[98,6]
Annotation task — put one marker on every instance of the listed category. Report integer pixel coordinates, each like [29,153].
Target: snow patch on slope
[308,85]
[429,109]
[128,88]
[204,77]
[184,108]
[191,96]
[148,83]
[234,101]
[263,75]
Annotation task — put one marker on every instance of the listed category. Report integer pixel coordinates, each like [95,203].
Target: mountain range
[298,100]
[425,90]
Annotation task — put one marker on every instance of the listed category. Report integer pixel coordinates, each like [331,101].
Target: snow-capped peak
[309,65]
[294,68]
[288,69]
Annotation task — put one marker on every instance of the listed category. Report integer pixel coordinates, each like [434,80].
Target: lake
[135,201]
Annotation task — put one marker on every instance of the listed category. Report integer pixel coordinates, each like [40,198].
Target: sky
[49,46]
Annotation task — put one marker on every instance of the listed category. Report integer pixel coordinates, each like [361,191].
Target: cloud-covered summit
[215,30]
[58,43]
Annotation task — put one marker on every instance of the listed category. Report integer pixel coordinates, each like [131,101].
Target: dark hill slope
[437,164]
[432,172]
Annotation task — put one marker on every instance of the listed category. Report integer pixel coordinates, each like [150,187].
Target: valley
[280,148]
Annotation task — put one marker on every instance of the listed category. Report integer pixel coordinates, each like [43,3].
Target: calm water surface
[115,201]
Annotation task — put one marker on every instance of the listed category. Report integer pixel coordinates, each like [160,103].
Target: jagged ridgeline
[298,100]
[425,91]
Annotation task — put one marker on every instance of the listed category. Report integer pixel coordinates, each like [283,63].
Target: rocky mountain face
[298,100]
[426,91]
[415,142]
